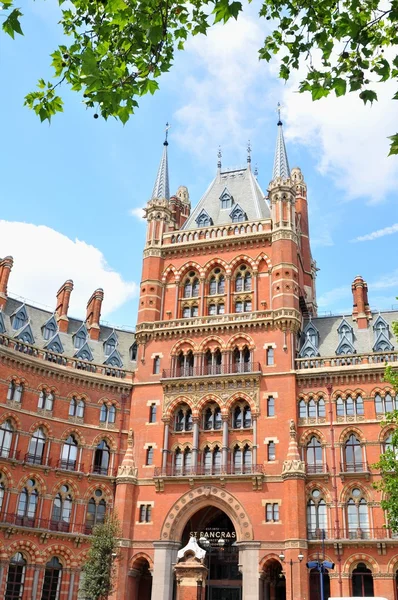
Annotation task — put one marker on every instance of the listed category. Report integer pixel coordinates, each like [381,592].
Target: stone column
[224,457]
[165,450]
[254,455]
[195,443]
[228,290]
[163,576]
[255,290]
[248,562]
[202,297]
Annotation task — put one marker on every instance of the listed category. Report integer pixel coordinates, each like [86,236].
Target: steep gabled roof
[55,344]
[25,334]
[114,360]
[245,191]
[84,353]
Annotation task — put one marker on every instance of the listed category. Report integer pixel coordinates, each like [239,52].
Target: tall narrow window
[270,356]
[62,510]
[152,413]
[76,407]
[145,513]
[362,581]
[15,577]
[27,504]
[6,433]
[2,491]
[357,515]
[303,409]
[316,515]
[96,510]
[353,455]
[149,455]
[156,365]
[270,406]
[314,456]
[69,454]
[36,447]
[101,458]
[46,400]
[52,580]
[271,450]
[14,391]
[271,512]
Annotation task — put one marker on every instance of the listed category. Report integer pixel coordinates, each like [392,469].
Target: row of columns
[195,442]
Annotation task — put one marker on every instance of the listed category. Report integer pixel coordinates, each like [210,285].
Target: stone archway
[172,531]
[196,499]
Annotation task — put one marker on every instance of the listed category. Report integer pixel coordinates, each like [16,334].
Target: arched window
[247,459]
[349,406]
[49,330]
[191,286]
[52,580]
[183,419]
[316,515]
[302,409]
[69,454]
[27,504]
[353,455]
[62,510]
[185,364]
[212,418]
[182,461]
[241,360]
[15,577]
[36,447]
[112,413]
[2,491]
[6,433]
[314,456]
[103,413]
[187,461]
[362,581]
[107,413]
[386,404]
[101,458]
[76,407]
[243,280]
[213,361]
[237,460]
[212,460]
[134,351]
[96,510]
[357,515]
[46,400]
[242,416]
[217,282]
[15,391]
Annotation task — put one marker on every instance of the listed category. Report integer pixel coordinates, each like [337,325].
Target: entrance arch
[201,497]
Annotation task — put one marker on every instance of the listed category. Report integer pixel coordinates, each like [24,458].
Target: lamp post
[291,563]
[321,567]
[205,543]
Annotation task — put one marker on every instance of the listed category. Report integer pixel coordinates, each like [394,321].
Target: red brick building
[233,415]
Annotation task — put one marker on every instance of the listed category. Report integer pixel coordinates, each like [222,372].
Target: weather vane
[219,155]
[278,109]
[167,133]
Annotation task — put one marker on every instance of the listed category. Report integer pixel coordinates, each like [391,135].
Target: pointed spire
[161,187]
[219,156]
[249,151]
[281,163]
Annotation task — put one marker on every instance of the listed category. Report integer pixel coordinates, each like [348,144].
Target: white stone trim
[157,402]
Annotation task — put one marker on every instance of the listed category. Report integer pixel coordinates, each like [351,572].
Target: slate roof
[364,339]
[37,319]
[245,191]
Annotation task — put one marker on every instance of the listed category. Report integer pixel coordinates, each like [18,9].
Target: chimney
[5,270]
[94,313]
[361,312]
[61,311]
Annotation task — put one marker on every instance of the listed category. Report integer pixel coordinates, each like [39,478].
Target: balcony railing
[204,370]
[10,454]
[69,465]
[352,533]
[34,522]
[357,467]
[346,360]
[317,469]
[60,359]
[203,471]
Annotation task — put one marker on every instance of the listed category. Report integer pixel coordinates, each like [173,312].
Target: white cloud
[348,139]
[45,258]
[377,234]
[137,212]
[332,297]
[223,80]
[385,281]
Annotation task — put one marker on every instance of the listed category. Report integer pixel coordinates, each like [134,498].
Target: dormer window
[203,219]
[49,329]
[20,318]
[226,199]
[80,337]
[238,215]
[381,336]
[110,344]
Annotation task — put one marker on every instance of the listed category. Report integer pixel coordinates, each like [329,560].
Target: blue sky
[71,192]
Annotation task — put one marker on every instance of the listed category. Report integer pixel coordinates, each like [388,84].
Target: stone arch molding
[203,496]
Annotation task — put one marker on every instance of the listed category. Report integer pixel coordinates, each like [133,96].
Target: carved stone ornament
[127,471]
[193,548]
[292,467]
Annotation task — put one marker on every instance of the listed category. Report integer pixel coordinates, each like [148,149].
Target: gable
[114,360]
[84,353]
[55,345]
[26,335]
[19,317]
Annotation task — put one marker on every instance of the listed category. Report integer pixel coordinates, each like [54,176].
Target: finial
[166,143]
[256,171]
[278,109]
[249,149]
[219,155]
